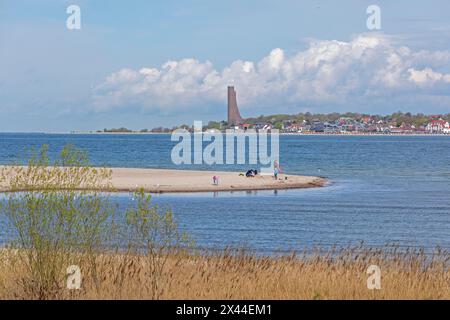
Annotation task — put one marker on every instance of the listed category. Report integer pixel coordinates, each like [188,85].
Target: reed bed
[236,274]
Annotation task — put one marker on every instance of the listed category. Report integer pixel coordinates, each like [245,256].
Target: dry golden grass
[233,275]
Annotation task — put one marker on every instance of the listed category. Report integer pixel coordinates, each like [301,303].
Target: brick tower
[234,117]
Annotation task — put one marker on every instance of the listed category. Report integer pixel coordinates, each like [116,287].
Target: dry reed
[336,274]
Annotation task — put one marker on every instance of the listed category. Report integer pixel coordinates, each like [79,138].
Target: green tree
[278,125]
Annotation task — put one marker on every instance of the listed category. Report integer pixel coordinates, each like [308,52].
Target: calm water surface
[386,189]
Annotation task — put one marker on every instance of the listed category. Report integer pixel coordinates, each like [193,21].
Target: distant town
[308,123]
[332,123]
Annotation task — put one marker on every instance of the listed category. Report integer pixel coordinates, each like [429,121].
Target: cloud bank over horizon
[369,71]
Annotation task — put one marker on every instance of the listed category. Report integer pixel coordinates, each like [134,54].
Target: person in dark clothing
[251,173]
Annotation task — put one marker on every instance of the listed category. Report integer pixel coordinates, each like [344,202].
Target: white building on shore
[438,126]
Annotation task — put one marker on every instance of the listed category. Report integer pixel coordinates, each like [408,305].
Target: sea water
[384,190]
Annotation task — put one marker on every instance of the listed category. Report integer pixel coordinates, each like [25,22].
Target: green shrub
[58,215]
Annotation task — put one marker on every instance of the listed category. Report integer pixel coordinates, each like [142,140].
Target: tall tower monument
[234,117]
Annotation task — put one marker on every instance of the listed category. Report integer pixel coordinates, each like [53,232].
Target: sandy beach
[163,180]
[159,180]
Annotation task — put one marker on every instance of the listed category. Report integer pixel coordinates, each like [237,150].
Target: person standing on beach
[276,169]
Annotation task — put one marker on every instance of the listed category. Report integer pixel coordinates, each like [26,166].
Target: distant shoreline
[281,134]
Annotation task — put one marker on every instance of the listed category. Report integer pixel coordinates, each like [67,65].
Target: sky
[142,64]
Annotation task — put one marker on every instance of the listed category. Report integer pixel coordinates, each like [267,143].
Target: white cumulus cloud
[369,67]
[427,76]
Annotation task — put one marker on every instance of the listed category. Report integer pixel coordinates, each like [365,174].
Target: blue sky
[142,64]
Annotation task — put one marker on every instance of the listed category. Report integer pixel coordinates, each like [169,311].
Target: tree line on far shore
[397,118]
